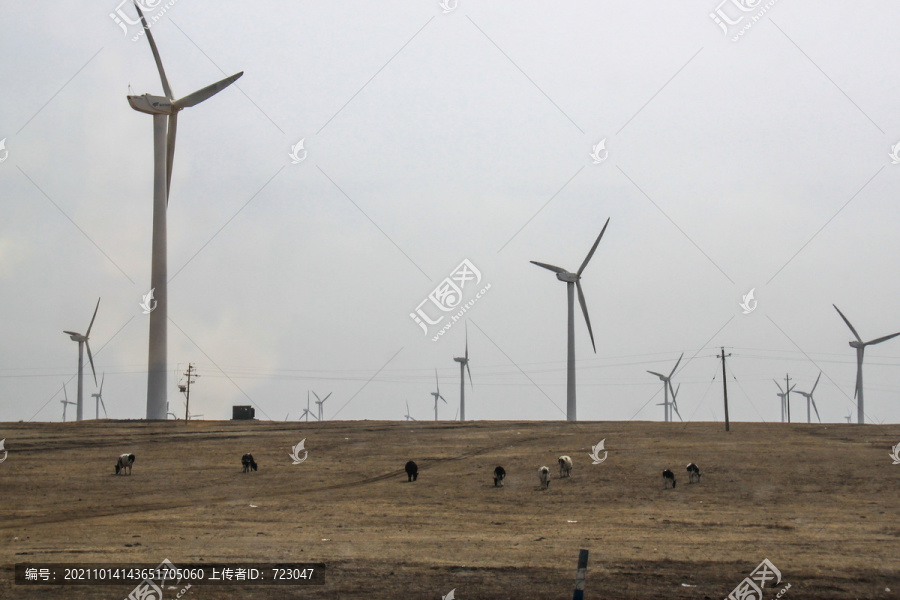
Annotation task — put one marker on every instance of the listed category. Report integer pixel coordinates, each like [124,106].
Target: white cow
[125,462]
[544,474]
[565,466]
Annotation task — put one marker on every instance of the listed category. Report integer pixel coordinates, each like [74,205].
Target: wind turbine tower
[82,342]
[165,122]
[667,386]
[860,350]
[320,403]
[463,366]
[573,281]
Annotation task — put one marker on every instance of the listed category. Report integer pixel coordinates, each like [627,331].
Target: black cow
[248,463]
[667,477]
[124,463]
[412,471]
[499,476]
[693,471]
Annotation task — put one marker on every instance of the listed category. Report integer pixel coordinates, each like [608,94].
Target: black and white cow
[125,462]
[412,471]
[544,475]
[565,466]
[499,476]
[667,477]
[693,471]
[248,463]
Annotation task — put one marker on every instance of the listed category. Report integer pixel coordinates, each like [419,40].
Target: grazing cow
[248,463]
[125,461]
[499,476]
[565,466]
[693,471]
[412,471]
[667,477]
[544,474]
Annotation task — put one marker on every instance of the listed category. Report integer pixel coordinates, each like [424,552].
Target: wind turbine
[860,349]
[667,385]
[437,395]
[809,399]
[66,402]
[305,412]
[82,342]
[464,366]
[165,122]
[573,281]
[98,400]
[849,415]
[320,403]
[784,400]
[407,415]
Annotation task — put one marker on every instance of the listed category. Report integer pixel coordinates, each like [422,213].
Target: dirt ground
[820,502]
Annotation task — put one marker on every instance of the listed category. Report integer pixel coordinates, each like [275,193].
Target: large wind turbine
[860,349]
[810,400]
[573,281]
[82,342]
[463,366]
[667,385]
[165,122]
[98,399]
[437,395]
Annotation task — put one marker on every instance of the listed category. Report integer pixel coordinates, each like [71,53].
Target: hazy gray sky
[434,137]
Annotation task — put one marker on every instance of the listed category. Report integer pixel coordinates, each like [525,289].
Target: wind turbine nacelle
[855,344]
[567,277]
[152,105]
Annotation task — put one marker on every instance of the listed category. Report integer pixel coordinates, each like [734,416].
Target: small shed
[242,413]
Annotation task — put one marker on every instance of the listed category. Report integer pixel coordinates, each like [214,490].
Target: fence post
[579,576]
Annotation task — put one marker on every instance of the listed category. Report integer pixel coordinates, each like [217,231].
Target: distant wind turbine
[82,342]
[849,415]
[98,400]
[573,281]
[305,412]
[860,350]
[407,415]
[66,402]
[464,366]
[165,122]
[437,395]
[320,403]
[810,400]
[785,407]
[667,386]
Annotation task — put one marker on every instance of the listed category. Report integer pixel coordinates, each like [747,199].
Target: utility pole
[787,395]
[725,386]
[186,388]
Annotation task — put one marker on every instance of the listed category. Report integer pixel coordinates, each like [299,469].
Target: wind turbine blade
[71,333]
[328,396]
[660,375]
[676,365]
[317,397]
[162,72]
[170,151]
[470,375]
[593,248]
[859,339]
[206,93]
[87,333]
[779,386]
[65,393]
[858,375]
[467,343]
[102,379]
[882,339]
[546,266]
[437,383]
[815,384]
[816,409]
[587,319]
[442,398]
[105,415]
[91,358]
